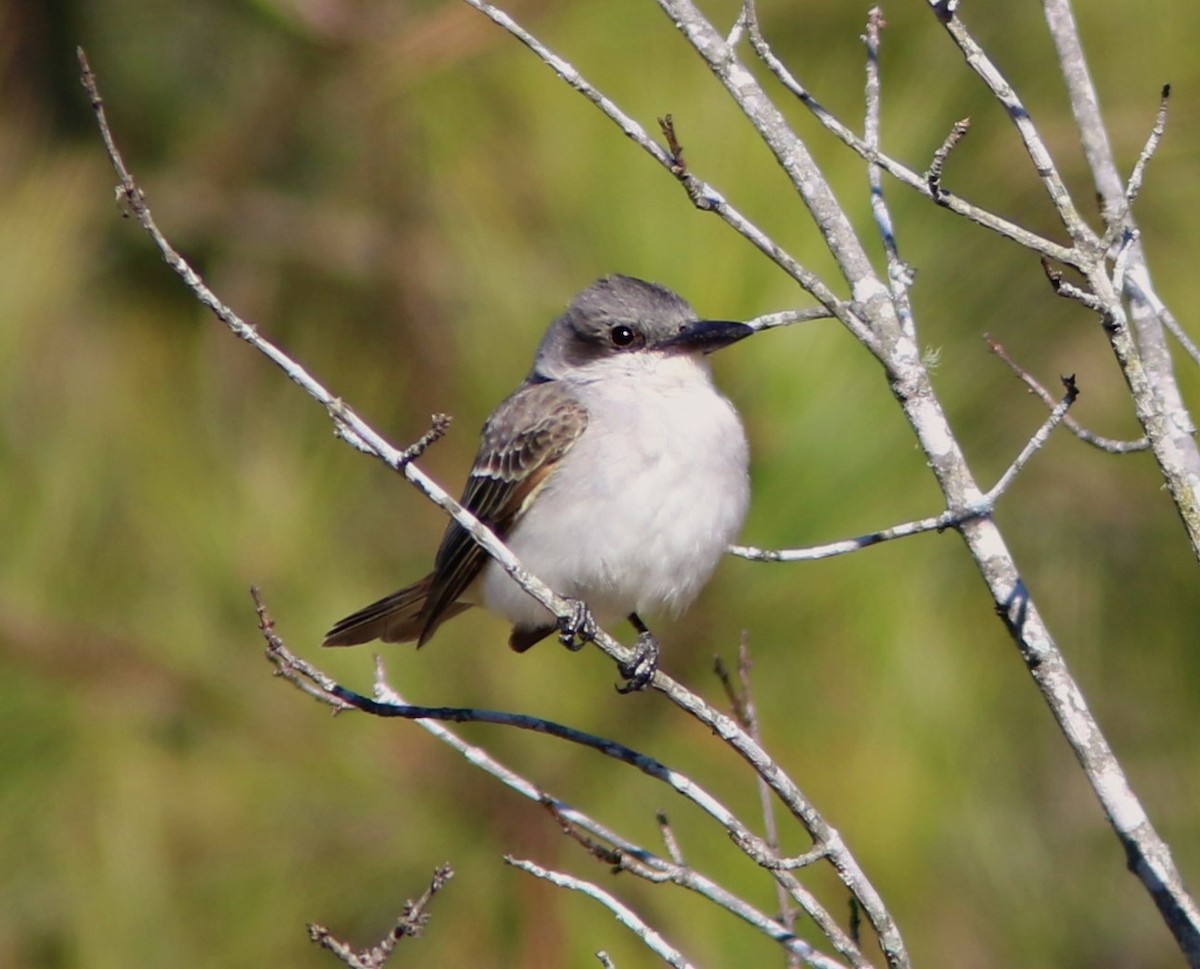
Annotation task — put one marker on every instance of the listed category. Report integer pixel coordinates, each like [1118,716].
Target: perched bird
[616,473]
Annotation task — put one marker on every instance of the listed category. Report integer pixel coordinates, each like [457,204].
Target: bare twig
[659,871]
[410,923]
[1070,291]
[1036,442]
[900,274]
[1116,220]
[670,842]
[769,321]
[906,176]
[933,175]
[1111,445]
[1039,154]
[1135,280]
[388,703]
[741,699]
[811,553]
[625,915]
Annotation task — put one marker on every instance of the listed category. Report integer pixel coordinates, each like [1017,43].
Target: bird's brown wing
[523,441]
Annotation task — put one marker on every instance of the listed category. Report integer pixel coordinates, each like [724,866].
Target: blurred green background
[403,197]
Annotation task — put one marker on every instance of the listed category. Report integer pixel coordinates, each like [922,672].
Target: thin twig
[769,321]
[625,915]
[900,274]
[1116,220]
[1036,442]
[323,687]
[1069,290]
[937,523]
[1111,445]
[409,924]
[388,703]
[1137,283]
[1043,162]
[670,842]
[906,176]
[659,871]
[741,700]
[933,175]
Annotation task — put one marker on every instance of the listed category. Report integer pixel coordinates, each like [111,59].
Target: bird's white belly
[640,510]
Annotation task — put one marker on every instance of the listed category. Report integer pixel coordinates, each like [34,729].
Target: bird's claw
[640,670]
[577,629]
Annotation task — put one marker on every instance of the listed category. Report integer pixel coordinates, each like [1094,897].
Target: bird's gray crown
[616,314]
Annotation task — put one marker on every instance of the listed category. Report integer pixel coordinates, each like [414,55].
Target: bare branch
[741,699]
[1070,291]
[1111,445]
[1036,442]
[656,870]
[388,703]
[770,321]
[1143,355]
[933,175]
[1039,154]
[626,916]
[1116,220]
[906,176]
[411,923]
[900,274]
[937,523]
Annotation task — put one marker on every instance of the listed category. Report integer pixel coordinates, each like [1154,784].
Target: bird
[616,472]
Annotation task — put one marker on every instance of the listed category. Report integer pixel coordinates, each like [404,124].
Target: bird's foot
[640,670]
[577,629]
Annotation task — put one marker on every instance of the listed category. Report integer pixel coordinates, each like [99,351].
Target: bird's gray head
[620,315]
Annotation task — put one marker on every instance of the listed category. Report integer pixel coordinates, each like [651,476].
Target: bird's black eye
[621,336]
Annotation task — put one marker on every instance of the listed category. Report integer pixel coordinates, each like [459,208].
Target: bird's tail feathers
[398,618]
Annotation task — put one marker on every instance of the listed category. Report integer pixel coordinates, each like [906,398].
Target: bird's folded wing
[523,441]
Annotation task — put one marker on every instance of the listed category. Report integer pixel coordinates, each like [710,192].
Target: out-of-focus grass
[403,198]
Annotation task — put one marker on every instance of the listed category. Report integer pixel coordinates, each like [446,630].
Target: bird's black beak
[705,336]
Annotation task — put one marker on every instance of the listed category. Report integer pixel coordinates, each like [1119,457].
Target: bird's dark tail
[398,618]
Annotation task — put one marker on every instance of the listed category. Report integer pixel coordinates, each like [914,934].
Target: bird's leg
[640,670]
[578,628]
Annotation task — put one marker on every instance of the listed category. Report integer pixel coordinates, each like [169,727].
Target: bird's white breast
[639,511]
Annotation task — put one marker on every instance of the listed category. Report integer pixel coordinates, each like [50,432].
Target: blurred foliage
[403,197]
